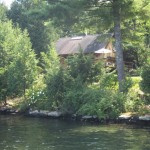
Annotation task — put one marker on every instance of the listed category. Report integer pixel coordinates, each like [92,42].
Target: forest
[32,77]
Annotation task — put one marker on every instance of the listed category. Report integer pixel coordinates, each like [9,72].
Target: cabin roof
[88,44]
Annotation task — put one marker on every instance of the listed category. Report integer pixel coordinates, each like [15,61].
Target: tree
[145,83]
[23,69]
[65,14]
[75,17]
[17,61]
[118,43]
[116,6]
[92,9]
[83,67]
[53,77]
[32,15]
[135,32]
[3,10]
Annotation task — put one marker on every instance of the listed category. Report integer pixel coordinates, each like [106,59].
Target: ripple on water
[45,134]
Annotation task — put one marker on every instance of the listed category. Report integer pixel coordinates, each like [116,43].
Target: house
[99,45]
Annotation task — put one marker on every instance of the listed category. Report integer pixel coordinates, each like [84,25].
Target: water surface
[22,133]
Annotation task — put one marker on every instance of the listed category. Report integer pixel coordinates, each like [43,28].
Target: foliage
[36,95]
[145,83]
[17,61]
[127,84]
[102,104]
[144,109]
[133,101]
[84,67]
[135,29]
[3,10]
[64,86]
[50,63]
[136,81]
[69,90]
[72,84]
[53,76]
[136,100]
[55,89]
[23,69]
[108,80]
[31,15]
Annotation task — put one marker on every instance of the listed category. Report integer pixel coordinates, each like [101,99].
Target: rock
[12,111]
[145,118]
[7,110]
[55,114]
[43,113]
[34,112]
[125,116]
[87,117]
[3,109]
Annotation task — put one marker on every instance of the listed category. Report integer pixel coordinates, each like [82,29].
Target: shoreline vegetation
[37,80]
[124,118]
[140,116]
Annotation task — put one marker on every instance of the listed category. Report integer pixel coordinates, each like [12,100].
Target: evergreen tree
[32,15]
[17,61]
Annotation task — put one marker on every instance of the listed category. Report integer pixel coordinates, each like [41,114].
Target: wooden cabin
[99,45]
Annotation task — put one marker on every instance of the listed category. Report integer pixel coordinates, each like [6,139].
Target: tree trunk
[118,43]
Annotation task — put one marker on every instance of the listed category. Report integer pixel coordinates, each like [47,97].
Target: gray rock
[87,117]
[43,113]
[145,117]
[55,114]
[33,112]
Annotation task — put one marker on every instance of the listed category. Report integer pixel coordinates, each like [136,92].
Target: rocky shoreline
[123,118]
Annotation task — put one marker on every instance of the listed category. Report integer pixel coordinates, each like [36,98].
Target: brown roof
[88,44]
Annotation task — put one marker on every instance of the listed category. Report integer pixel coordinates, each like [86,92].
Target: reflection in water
[22,133]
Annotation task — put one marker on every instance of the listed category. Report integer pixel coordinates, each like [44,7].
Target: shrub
[55,89]
[82,66]
[133,101]
[36,96]
[104,103]
[108,81]
[73,100]
[145,83]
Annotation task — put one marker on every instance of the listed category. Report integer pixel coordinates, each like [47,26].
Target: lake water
[22,133]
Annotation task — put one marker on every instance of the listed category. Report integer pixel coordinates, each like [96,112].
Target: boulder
[33,112]
[125,116]
[7,110]
[55,114]
[145,118]
[89,118]
[43,113]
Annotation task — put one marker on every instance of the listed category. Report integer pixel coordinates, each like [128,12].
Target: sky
[7,2]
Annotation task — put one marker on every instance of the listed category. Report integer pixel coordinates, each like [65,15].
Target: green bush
[83,67]
[145,83]
[73,100]
[66,86]
[55,89]
[36,96]
[18,63]
[108,81]
[133,101]
[103,103]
